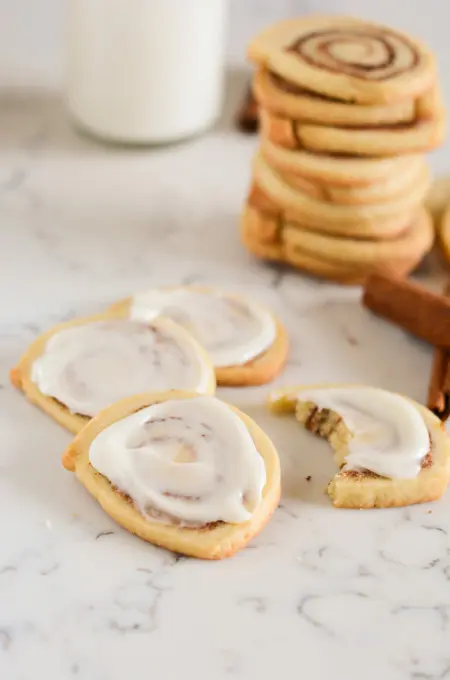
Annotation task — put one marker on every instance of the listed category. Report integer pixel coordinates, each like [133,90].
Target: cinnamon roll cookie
[419,136]
[290,101]
[391,188]
[346,59]
[384,219]
[399,255]
[337,170]
[77,368]
[317,266]
[390,450]
[261,235]
[245,342]
[276,251]
[344,260]
[186,472]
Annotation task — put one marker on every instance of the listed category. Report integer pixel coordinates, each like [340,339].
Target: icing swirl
[190,459]
[363,53]
[388,434]
[90,366]
[233,330]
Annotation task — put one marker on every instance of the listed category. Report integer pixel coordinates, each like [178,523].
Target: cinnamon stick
[247,116]
[439,387]
[410,306]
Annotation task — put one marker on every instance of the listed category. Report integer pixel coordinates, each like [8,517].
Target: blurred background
[32,35]
[67,202]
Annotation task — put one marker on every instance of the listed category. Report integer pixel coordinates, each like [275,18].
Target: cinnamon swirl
[390,450]
[346,59]
[285,99]
[245,342]
[186,472]
[79,367]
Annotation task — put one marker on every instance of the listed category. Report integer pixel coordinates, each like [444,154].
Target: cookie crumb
[308,478]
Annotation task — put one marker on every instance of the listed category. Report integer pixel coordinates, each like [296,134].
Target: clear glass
[146,71]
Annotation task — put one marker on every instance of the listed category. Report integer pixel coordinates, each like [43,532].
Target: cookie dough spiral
[346,59]
[368,54]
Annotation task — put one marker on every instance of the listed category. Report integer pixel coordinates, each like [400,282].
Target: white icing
[192,459]
[89,367]
[389,435]
[232,330]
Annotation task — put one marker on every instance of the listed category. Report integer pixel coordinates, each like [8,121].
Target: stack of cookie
[347,110]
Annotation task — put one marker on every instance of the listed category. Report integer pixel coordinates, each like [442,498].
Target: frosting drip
[367,54]
[232,330]
[89,367]
[190,459]
[389,435]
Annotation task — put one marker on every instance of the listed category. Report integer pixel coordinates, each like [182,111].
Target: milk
[145,71]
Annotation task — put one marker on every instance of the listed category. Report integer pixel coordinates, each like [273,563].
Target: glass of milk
[145,71]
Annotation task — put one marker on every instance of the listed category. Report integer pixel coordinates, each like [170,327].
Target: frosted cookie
[247,345]
[77,368]
[296,103]
[186,472]
[388,189]
[406,138]
[345,58]
[390,450]
[346,220]
[337,170]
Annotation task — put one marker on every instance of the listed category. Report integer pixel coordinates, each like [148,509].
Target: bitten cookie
[390,450]
[245,342]
[186,472]
[77,368]
[345,58]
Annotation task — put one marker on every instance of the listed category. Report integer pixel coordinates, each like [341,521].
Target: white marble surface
[320,593]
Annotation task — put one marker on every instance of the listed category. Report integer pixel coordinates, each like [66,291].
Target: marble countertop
[320,593]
